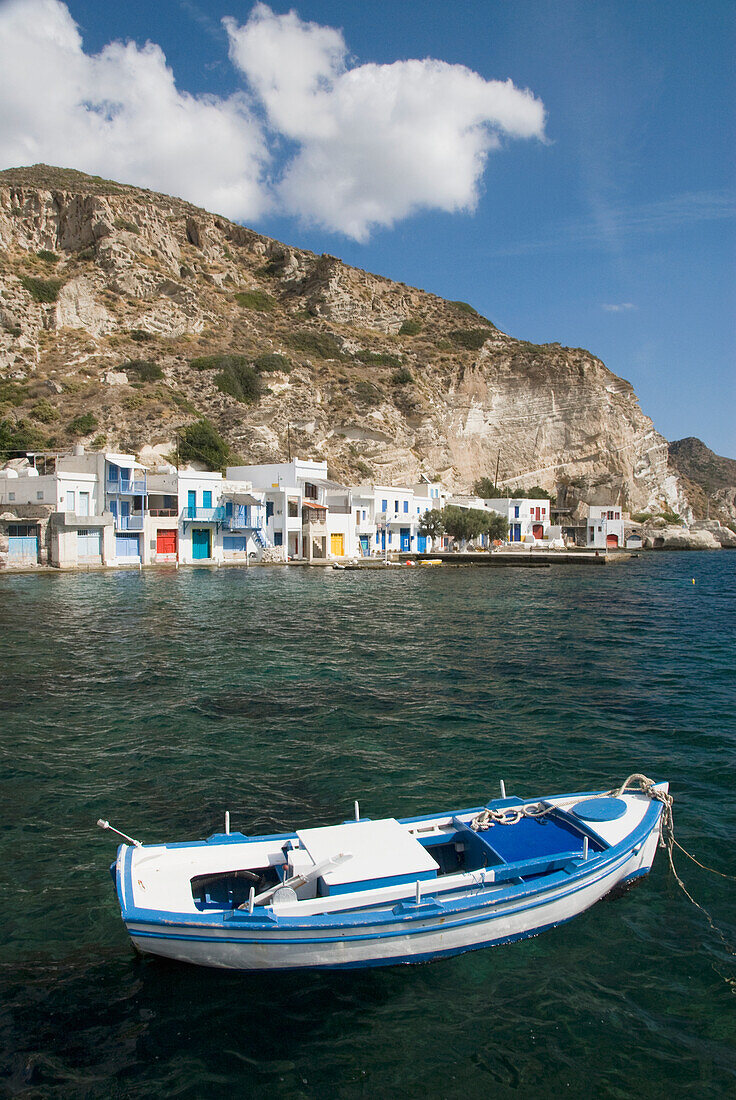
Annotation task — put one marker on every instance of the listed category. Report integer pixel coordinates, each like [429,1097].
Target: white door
[70,501]
[84,504]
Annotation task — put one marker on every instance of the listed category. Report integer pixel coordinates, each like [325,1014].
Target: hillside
[117,305]
[710,479]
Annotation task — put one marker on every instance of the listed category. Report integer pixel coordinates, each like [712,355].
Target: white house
[308,515]
[529,520]
[605,527]
[79,529]
[200,517]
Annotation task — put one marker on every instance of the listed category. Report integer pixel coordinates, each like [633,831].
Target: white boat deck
[380,850]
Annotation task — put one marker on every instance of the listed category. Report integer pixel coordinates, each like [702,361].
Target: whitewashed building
[605,527]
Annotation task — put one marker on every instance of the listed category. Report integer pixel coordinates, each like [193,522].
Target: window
[22,531]
[384,506]
[310,491]
[293,509]
[39,494]
[406,505]
[278,538]
[516,511]
[11,496]
[207,498]
[396,506]
[269,510]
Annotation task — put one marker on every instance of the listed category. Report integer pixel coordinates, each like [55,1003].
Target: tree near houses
[431,524]
[465,524]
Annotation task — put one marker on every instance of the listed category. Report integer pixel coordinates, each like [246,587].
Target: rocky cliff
[117,306]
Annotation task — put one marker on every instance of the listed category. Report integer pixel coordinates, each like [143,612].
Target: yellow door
[337,546]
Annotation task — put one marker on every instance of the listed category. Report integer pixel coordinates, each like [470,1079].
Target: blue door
[192,503]
[128,547]
[23,548]
[89,546]
[201,543]
[515,532]
[405,537]
[422,544]
[124,515]
[207,498]
[365,546]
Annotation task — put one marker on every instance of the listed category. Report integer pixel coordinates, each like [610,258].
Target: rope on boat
[669,843]
[511,815]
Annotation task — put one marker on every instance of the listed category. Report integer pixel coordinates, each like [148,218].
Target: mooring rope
[511,815]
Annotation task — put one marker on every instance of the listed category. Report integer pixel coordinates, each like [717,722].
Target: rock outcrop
[385,381]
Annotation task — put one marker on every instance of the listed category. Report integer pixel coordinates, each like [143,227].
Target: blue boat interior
[544,844]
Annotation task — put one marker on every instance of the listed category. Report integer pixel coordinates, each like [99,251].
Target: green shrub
[241,381]
[379,358]
[127,225]
[671,517]
[272,361]
[463,307]
[256,299]
[141,336]
[98,442]
[641,517]
[402,377]
[12,394]
[321,345]
[42,290]
[202,442]
[49,257]
[143,369]
[82,425]
[44,412]
[18,436]
[13,330]
[367,393]
[410,328]
[472,339]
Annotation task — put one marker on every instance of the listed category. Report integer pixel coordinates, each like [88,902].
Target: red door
[166,542]
[611,542]
[538,530]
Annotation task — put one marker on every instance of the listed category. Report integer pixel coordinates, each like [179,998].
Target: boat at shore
[378,893]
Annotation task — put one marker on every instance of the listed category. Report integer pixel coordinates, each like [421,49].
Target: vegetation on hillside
[201,442]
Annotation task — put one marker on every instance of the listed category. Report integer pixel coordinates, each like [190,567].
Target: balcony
[161,512]
[126,486]
[128,523]
[204,515]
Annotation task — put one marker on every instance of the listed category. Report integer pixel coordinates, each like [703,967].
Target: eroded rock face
[385,381]
[77,307]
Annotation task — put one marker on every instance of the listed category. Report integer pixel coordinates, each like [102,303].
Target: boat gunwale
[486,897]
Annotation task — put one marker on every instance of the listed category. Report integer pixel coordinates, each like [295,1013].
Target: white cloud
[118,113]
[366,145]
[619,307]
[375,142]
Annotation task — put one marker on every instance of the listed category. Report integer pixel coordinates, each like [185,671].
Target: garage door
[166,542]
[127,547]
[235,543]
[23,547]
[89,546]
[611,542]
[337,545]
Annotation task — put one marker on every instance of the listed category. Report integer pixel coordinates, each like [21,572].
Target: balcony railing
[129,523]
[132,486]
[163,512]
[206,515]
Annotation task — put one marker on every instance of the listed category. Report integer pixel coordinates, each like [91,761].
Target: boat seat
[478,850]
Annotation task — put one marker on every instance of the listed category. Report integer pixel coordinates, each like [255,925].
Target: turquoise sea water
[160,699]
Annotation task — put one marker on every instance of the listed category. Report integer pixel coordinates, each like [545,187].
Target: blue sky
[602,219]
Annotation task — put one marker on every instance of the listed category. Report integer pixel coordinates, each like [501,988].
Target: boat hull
[420,934]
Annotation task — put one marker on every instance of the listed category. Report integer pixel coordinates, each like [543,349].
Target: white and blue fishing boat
[378,893]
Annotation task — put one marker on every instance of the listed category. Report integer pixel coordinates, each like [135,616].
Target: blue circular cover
[600,809]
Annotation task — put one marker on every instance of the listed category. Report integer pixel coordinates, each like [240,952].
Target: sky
[565,166]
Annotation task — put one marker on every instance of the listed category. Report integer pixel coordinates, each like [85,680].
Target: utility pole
[495,480]
[288,440]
